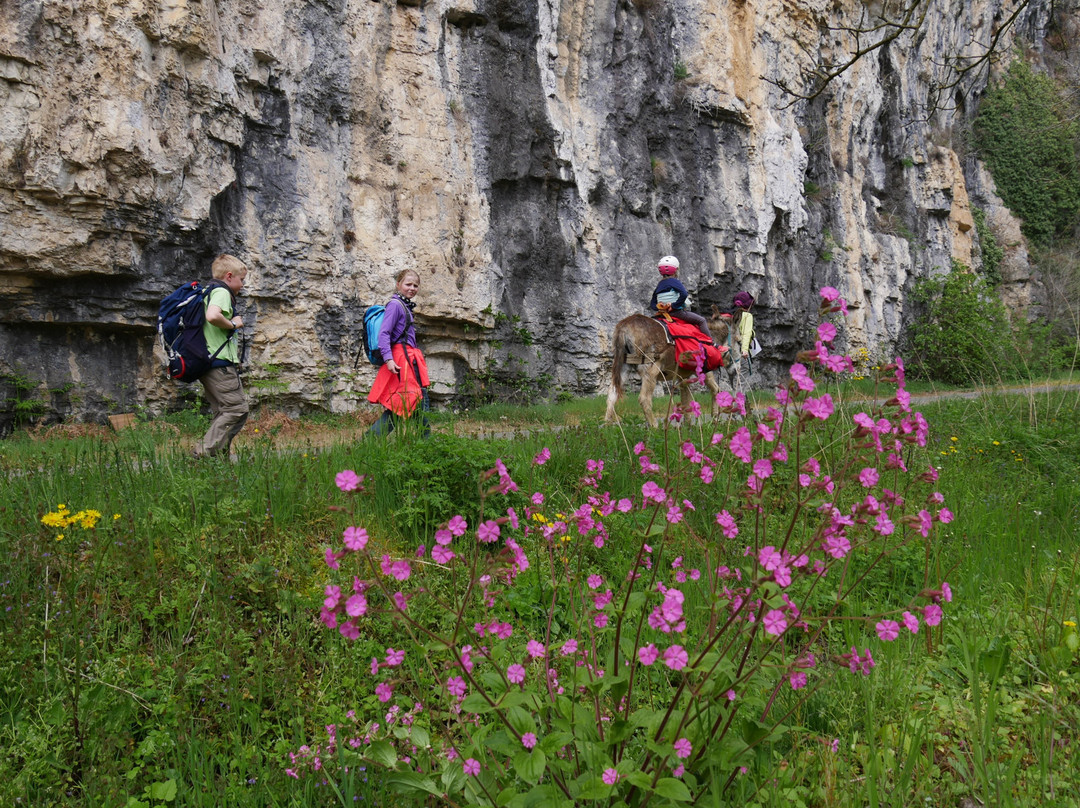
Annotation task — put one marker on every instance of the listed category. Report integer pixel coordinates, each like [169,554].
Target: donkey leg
[648,386]
[714,388]
[611,417]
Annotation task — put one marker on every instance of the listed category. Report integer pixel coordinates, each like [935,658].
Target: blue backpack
[369,334]
[373,317]
[180,328]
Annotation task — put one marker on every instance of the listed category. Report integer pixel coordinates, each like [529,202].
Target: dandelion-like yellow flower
[1069,623]
[55,519]
[954,439]
[59,536]
[115,516]
[997,443]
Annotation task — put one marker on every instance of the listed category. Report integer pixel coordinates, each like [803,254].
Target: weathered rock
[530,158]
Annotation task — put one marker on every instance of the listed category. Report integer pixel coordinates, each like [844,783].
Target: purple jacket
[397,326]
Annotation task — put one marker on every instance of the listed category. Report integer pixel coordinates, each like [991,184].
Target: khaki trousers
[226,396]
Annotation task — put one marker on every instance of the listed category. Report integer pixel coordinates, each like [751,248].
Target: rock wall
[530,158]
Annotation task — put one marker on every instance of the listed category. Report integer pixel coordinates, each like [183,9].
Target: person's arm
[678,287]
[392,317]
[215,314]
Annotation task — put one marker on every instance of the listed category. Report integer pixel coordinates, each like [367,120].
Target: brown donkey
[642,341]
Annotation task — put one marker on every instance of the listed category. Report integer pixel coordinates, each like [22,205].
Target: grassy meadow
[167,651]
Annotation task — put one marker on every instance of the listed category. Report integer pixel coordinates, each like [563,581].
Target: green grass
[183,633]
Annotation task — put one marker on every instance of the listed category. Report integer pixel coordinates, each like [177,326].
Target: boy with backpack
[222,382]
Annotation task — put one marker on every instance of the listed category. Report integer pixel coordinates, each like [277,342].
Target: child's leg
[384,426]
[695,320]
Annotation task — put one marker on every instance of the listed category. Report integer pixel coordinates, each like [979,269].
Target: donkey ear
[715,311]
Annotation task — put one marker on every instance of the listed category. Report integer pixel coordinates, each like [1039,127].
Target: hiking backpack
[180,328]
[369,334]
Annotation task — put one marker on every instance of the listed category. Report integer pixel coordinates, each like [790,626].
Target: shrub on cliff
[1028,141]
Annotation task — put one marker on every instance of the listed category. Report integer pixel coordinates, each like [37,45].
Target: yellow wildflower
[1069,624]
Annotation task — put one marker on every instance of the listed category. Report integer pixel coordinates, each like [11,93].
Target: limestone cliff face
[530,158]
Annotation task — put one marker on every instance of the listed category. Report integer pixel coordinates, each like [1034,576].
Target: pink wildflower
[543,456]
[727,524]
[515,674]
[356,606]
[394,658]
[488,531]
[471,767]
[801,376]
[457,525]
[384,692]
[647,654]
[528,740]
[741,444]
[347,480]
[774,622]
[932,614]
[887,630]
[911,622]
[683,748]
[868,477]
[610,777]
[820,408]
[356,538]
[676,657]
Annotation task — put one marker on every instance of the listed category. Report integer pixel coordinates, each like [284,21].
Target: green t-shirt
[221,297]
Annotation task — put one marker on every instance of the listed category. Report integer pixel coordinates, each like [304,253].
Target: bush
[962,335]
[1029,144]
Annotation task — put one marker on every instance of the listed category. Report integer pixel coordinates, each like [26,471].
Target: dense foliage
[962,335]
[1029,142]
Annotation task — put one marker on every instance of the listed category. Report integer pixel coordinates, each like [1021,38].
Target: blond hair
[401,275]
[224,264]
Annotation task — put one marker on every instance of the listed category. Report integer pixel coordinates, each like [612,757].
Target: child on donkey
[670,296]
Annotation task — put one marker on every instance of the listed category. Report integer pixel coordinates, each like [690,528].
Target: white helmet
[668,261]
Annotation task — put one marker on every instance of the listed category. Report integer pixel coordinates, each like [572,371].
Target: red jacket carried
[401,392]
[688,340]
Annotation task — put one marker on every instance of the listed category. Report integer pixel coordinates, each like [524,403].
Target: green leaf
[165,791]
[554,741]
[638,778]
[521,720]
[506,796]
[453,778]
[1072,641]
[409,782]
[673,789]
[618,731]
[592,788]
[382,753]
[619,685]
[420,737]
[530,765]
[995,660]
[753,732]
[475,703]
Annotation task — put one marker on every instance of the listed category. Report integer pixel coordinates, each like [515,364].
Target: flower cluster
[632,680]
[63,518]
